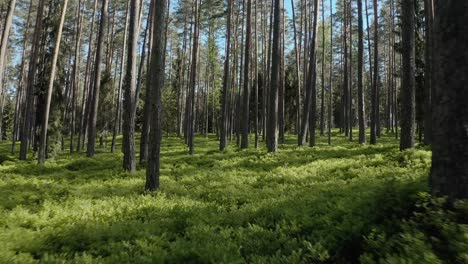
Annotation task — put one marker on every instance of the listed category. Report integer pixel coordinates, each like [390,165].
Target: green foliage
[329,204]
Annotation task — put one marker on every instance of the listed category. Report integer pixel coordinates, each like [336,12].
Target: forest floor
[344,203]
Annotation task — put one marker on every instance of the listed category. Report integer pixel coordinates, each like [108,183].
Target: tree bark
[3,50]
[429,70]
[28,109]
[449,174]
[246,89]
[361,101]
[97,83]
[375,81]
[408,71]
[272,137]
[129,116]
[156,84]
[45,118]
[118,103]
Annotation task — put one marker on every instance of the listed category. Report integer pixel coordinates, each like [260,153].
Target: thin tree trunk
[272,144]
[118,104]
[361,101]
[375,82]
[330,94]
[75,75]
[322,97]
[3,50]
[246,91]
[429,70]
[193,77]
[97,83]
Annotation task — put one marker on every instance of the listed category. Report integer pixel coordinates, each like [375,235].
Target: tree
[361,101]
[330,93]
[375,79]
[310,112]
[272,126]
[429,70]
[129,161]
[75,73]
[45,120]
[97,82]
[246,92]
[3,50]
[193,77]
[449,174]
[118,105]
[28,108]
[226,81]
[156,84]
[408,71]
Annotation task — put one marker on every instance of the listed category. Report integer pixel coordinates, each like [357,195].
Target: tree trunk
[322,97]
[45,118]
[75,75]
[118,104]
[429,70]
[272,137]
[28,109]
[246,91]
[193,77]
[226,81]
[129,115]
[361,101]
[87,85]
[3,50]
[375,81]
[330,93]
[408,71]
[156,84]
[97,83]
[449,174]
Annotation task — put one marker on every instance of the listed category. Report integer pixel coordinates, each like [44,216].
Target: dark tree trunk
[193,77]
[361,101]
[408,71]
[375,81]
[97,83]
[449,174]
[330,93]
[28,109]
[156,84]
[226,82]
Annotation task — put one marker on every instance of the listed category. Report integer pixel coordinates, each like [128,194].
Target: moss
[328,204]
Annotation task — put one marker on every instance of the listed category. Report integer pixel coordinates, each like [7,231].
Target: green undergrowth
[344,203]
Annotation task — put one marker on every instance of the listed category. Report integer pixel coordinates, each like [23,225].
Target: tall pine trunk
[156,84]
[97,83]
[45,118]
[129,115]
[449,174]
[408,71]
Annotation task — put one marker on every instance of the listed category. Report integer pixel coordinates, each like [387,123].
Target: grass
[344,203]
